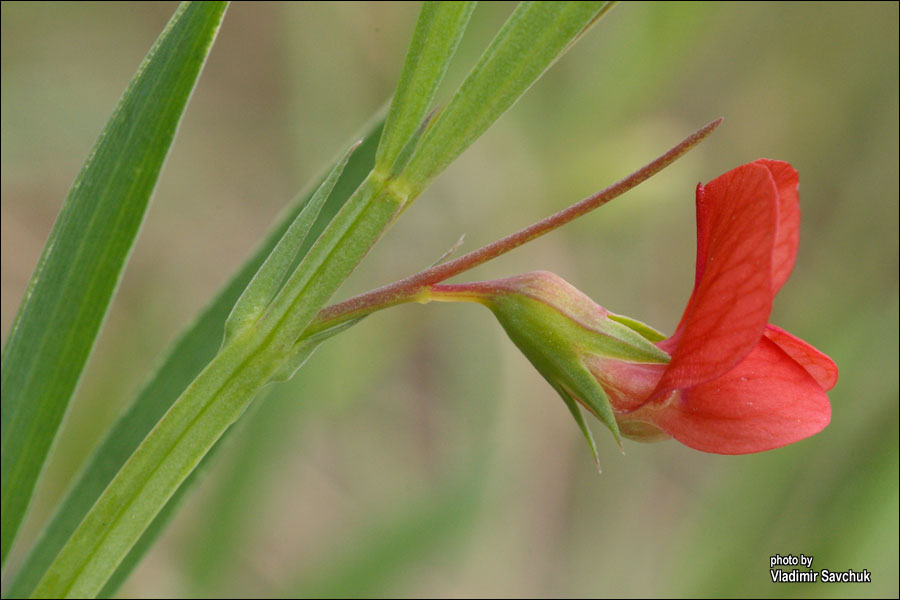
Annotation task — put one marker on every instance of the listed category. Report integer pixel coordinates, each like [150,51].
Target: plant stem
[416,287]
[215,399]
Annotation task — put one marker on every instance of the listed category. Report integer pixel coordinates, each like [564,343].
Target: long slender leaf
[268,280]
[226,386]
[533,38]
[438,31]
[82,262]
[184,361]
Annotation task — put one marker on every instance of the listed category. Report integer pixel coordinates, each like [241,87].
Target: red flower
[735,384]
[726,381]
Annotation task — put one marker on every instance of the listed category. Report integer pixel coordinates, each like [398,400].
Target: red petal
[788,234]
[766,402]
[728,310]
[704,228]
[817,364]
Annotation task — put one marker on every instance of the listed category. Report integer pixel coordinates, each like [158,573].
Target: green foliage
[270,277]
[194,349]
[75,279]
[533,38]
[375,424]
[263,340]
[436,37]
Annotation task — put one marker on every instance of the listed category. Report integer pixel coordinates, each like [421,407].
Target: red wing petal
[767,401]
[704,226]
[728,310]
[788,236]
[816,363]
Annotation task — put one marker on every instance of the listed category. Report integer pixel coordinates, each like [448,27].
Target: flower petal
[816,363]
[767,401]
[787,236]
[729,308]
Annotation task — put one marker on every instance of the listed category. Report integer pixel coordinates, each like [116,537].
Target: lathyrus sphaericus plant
[276,302]
[726,381]
[200,392]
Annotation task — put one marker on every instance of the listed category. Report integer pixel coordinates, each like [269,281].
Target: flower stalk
[726,381]
[416,287]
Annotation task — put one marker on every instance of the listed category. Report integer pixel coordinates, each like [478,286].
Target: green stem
[218,396]
[416,288]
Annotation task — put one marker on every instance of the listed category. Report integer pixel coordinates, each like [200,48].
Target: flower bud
[588,355]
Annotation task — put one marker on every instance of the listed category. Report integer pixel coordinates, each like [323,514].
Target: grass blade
[438,31]
[533,38]
[82,262]
[271,275]
[193,351]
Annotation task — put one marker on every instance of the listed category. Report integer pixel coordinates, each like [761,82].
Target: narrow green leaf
[533,38]
[82,262]
[438,31]
[184,361]
[265,285]
[146,541]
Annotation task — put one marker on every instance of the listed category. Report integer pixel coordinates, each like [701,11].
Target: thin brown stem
[414,288]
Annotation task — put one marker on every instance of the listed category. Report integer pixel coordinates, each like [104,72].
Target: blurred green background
[419,454]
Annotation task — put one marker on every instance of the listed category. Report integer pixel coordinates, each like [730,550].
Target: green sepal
[594,398]
[572,405]
[558,328]
[616,340]
[554,344]
[589,328]
[641,328]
